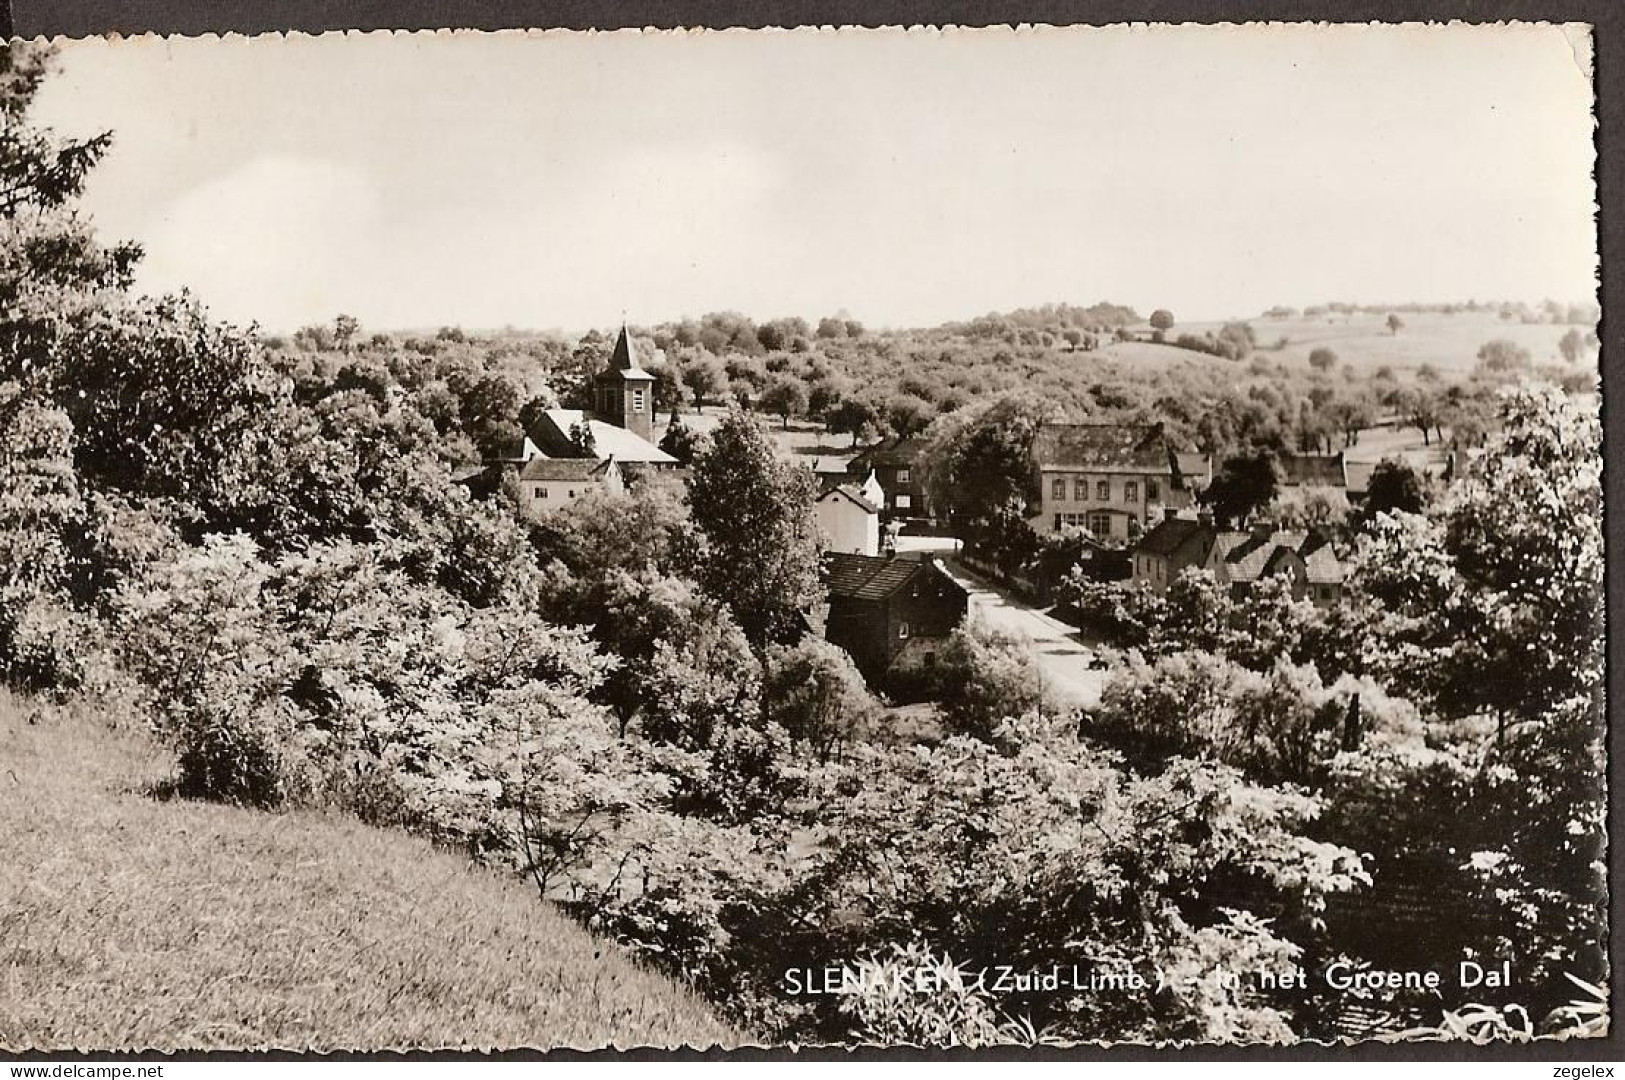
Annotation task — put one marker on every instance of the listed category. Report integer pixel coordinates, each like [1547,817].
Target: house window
[1151,491]
[905,502]
[540,491]
[902,630]
[1080,490]
[637,400]
[1100,523]
[1131,492]
[902,476]
[1057,490]
[1103,490]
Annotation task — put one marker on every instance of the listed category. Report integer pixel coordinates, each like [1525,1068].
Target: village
[899,580]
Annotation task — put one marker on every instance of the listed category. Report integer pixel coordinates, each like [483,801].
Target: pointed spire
[621,358]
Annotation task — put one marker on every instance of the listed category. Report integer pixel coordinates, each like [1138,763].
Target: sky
[562,180]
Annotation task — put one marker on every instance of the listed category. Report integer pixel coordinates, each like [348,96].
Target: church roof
[551,435]
[623,363]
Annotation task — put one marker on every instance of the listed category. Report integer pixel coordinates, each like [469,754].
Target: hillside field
[127,921]
[1448,342]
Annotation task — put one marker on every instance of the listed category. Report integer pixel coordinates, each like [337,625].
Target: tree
[975,462]
[1395,323]
[1503,357]
[346,328]
[1162,319]
[679,440]
[668,387]
[1322,359]
[1394,486]
[815,692]
[1244,484]
[857,416]
[704,378]
[756,513]
[785,396]
[582,438]
[1571,345]
[984,677]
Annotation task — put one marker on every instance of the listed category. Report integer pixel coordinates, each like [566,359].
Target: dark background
[79,18]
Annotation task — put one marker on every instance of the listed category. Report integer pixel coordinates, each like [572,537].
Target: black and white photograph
[1010,538]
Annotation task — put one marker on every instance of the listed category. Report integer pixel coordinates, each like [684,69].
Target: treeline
[1547,311]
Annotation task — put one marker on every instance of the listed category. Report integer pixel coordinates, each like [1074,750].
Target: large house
[1242,559]
[894,464]
[620,425]
[1114,480]
[1174,545]
[892,616]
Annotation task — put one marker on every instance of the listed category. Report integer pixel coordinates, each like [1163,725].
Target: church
[620,426]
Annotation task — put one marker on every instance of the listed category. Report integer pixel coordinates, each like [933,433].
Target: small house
[891,616]
[848,520]
[894,466]
[1241,559]
[1173,545]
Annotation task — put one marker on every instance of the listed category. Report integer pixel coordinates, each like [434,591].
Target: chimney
[1262,529]
[1205,517]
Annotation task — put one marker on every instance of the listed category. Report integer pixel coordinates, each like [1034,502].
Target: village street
[1062,662]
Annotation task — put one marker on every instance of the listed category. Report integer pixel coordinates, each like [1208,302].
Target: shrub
[983,678]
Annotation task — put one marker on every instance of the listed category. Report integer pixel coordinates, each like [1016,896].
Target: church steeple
[621,358]
[624,392]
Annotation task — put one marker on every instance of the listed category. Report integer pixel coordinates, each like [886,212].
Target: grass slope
[128,922]
[1450,343]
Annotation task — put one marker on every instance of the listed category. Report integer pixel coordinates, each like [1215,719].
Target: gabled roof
[546,468]
[896,452]
[1170,535]
[852,494]
[1142,447]
[623,363]
[551,435]
[1247,557]
[867,577]
[1321,563]
[1195,469]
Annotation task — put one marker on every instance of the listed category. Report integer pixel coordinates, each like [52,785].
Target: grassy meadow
[129,921]
[1450,343]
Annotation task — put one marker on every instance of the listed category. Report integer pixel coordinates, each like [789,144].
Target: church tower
[623,394]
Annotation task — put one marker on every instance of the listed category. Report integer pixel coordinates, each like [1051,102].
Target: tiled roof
[1312,470]
[1195,469]
[1247,558]
[1139,446]
[850,492]
[552,435]
[1169,535]
[829,481]
[546,468]
[1244,555]
[864,577]
[1322,563]
[896,452]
